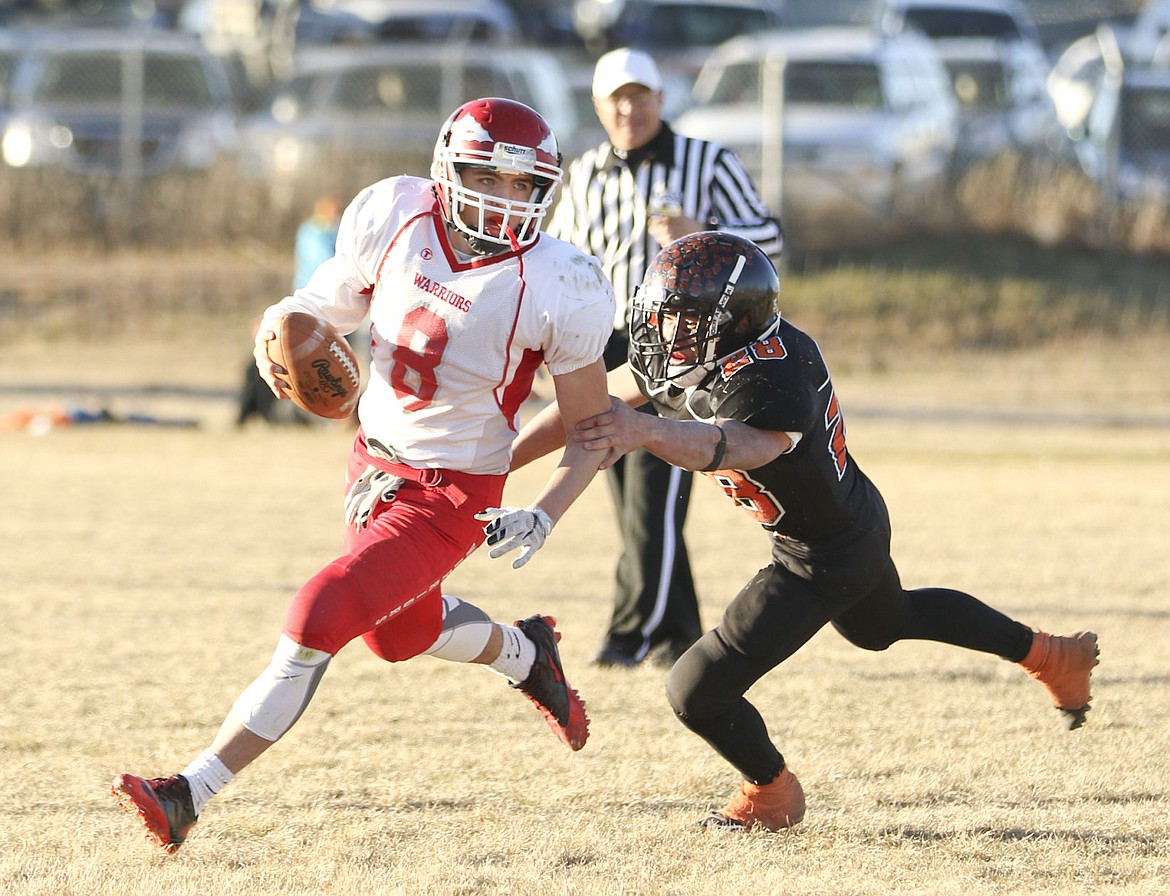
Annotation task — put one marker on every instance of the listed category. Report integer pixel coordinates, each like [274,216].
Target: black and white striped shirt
[606,200]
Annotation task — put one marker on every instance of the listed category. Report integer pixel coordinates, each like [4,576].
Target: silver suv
[353,115]
[679,34]
[855,139]
[125,102]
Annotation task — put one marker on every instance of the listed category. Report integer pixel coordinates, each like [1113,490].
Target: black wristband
[717,457]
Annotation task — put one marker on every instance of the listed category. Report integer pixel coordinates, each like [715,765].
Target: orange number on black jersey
[770,349]
[750,495]
[835,426]
[418,351]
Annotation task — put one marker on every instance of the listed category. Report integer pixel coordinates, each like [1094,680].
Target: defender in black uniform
[746,398]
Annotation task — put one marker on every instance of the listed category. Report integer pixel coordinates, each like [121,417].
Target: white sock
[516,656]
[207,776]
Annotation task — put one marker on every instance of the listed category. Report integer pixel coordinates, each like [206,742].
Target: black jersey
[814,493]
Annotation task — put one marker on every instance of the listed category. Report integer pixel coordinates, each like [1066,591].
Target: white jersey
[455,342]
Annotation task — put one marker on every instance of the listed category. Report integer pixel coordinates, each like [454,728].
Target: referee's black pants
[656,610]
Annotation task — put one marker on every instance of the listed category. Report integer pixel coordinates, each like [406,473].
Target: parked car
[862,135]
[1127,139]
[1079,73]
[223,23]
[679,34]
[999,19]
[1004,105]
[128,102]
[264,36]
[1148,42]
[487,21]
[670,24]
[352,115]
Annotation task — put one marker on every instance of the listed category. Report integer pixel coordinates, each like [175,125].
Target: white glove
[372,488]
[523,527]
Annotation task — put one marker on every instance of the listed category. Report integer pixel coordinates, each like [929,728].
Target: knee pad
[271,704]
[465,632]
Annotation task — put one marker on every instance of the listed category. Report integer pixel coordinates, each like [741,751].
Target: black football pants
[777,612]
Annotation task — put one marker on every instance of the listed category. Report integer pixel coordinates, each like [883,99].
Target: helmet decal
[704,296]
[468,130]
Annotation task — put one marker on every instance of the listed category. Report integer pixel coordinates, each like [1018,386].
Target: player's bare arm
[580,394]
[691,445]
[546,432]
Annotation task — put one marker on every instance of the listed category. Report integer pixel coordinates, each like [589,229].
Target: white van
[857,136]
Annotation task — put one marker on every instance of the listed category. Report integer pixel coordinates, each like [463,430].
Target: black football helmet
[723,286]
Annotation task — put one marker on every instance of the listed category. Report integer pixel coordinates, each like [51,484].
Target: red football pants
[387,586]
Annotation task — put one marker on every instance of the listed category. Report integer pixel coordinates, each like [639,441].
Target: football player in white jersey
[466,298]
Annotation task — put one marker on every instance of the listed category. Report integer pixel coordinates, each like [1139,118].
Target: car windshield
[425,89]
[437,27]
[833,84]
[940,23]
[1145,120]
[374,89]
[979,85]
[689,25]
[93,78]
[857,85]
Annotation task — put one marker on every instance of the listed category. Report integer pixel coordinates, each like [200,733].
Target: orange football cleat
[773,806]
[1063,664]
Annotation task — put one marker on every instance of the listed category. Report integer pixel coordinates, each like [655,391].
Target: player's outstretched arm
[580,394]
[689,444]
[546,432]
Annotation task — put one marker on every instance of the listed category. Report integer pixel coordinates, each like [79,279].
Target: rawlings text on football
[323,374]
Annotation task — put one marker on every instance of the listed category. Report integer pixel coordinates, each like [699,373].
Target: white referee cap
[617,68]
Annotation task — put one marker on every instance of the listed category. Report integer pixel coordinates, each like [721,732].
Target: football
[323,373]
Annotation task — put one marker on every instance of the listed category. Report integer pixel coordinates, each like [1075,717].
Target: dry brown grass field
[144,573]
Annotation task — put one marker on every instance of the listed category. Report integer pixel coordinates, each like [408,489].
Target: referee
[644,187]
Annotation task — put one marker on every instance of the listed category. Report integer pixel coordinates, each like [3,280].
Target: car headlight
[29,141]
[17,145]
[288,155]
[198,146]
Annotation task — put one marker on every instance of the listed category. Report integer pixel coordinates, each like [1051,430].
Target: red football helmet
[506,135]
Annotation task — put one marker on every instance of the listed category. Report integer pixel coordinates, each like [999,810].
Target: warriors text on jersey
[455,341]
[814,493]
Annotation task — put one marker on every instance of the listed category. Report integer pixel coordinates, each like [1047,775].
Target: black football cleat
[547,688]
[163,805]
